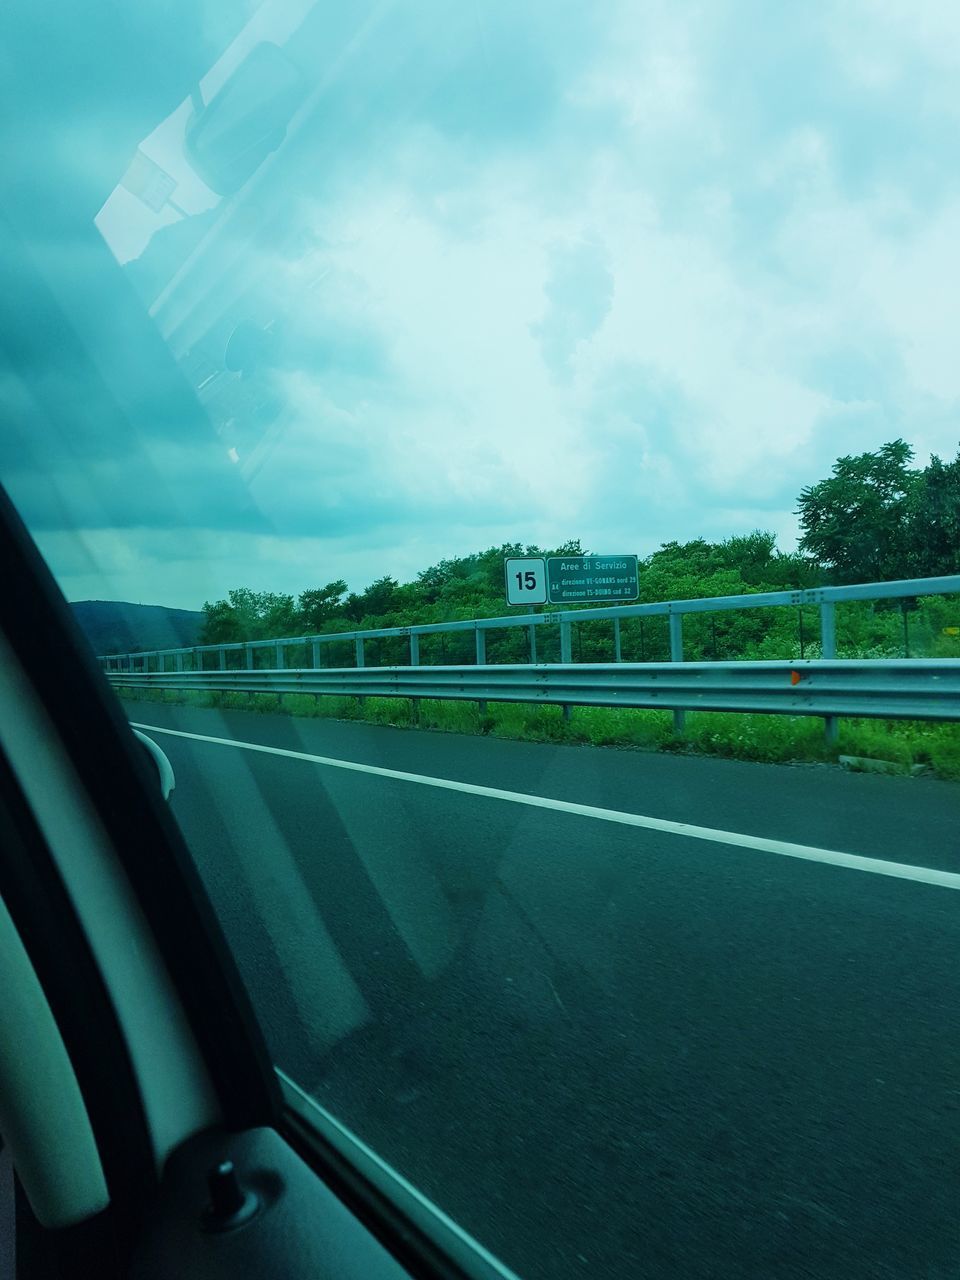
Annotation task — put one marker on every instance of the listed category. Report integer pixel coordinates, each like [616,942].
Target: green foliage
[855,521]
[317,607]
[873,518]
[249,615]
[764,738]
[935,519]
[876,518]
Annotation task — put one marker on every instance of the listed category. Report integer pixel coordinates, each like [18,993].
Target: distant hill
[116,626]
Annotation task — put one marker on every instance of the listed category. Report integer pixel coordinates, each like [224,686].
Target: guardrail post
[676,655]
[223,659]
[279,657]
[481,642]
[566,655]
[828,649]
[315,654]
[566,643]
[358,652]
[248,656]
[415,662]
[180,661]
[533,636]
[616,641]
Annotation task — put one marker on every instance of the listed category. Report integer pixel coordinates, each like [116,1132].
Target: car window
[505,458]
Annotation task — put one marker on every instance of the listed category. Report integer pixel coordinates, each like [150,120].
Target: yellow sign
[951,631]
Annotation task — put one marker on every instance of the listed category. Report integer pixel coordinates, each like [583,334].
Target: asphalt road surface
[606,1049]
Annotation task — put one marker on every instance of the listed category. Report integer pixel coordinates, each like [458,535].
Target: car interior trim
[42,1110]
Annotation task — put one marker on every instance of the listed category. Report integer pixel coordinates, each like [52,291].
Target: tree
[934,523]
[318,606]
[220,624]
[857,521]
[379,598]
[277,616]
[248,615]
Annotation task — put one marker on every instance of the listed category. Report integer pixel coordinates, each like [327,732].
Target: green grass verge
[771,739]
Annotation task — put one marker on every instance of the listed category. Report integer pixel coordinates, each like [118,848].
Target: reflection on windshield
[317,315]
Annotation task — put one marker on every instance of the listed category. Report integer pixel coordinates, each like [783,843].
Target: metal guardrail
[824,598]
[899,688]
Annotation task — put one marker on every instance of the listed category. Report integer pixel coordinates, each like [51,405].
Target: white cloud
[720,256]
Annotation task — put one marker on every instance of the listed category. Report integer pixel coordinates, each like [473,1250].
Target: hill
[117,626]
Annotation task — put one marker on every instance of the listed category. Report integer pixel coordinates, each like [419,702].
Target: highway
[606,1045]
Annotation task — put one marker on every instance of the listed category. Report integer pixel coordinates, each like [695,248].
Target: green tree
[316,607]
[379,598]
[934,523]
[220,624]
[248,615]
[857,521]
[277,616]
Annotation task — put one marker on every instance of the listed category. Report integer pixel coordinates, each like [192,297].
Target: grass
[768,738]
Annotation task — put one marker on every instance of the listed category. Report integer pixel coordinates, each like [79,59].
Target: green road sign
[582,579]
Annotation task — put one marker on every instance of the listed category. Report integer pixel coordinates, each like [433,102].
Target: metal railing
[156,662]
[897,688]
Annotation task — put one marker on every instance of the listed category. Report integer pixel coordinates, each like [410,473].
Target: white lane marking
[831,857]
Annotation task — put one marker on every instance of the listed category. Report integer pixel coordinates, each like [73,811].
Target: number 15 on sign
[526,581]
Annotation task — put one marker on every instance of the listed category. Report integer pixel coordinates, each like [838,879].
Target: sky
[628,272]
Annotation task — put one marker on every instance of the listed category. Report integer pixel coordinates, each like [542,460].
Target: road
[606,1049]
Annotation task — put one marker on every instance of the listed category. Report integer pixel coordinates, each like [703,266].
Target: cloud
[579,294]
[530,272]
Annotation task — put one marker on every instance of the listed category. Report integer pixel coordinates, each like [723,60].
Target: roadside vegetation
[770,739]
[874,518]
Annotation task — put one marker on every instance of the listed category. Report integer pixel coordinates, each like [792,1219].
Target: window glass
[628,937]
